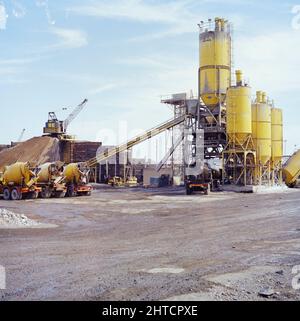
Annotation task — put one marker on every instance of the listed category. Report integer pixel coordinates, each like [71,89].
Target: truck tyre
[33,195]
[46,192]
[6,194]
[15,195]
[188,191]
[61,194]
[71,191]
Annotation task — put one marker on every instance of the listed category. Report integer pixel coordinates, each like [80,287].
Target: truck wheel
[15,195]
[71,191]
[33,195]
[46,192]
[188,191]
[60,194]
[6,194]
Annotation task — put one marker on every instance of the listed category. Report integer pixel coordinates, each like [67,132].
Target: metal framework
[239,162]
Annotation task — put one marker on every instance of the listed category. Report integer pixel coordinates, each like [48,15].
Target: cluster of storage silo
[252,144]
[254,152]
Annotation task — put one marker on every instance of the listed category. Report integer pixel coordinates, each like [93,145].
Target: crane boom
[136,140]
[21,135]
[74,114]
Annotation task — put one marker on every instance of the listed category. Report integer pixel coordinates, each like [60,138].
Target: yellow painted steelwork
[291,170]
[261,129]
[215,63]
[239,115]
[18,174]
[277,136]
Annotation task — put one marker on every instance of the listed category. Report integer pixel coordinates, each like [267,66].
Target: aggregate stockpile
[37,150]
[77,178]
[51,180]
[18,181]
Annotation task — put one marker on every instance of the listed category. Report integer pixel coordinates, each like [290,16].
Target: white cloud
[3,17]
[13,68]
[177,16]
[102,89]
[132,10]
[69,38]
[18,10]
[44,4]
[271,60]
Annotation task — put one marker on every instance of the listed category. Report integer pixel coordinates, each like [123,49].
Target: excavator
[58,128]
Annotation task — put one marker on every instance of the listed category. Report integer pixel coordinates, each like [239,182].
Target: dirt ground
[154,244]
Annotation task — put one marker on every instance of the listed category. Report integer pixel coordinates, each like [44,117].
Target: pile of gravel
[10,219]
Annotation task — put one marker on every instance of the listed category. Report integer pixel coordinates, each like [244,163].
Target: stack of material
[37,150]
[9,219]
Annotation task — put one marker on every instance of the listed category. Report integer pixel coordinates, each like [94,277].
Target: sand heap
[37,150]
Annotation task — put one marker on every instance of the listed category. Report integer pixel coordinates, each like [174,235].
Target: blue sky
[123,55]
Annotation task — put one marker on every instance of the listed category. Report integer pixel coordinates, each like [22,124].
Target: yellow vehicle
[116,181]
[291,170]
[51,180]
[131,181]
[77,180]
[18,182]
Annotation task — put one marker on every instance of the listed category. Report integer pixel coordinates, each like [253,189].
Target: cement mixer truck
[291,170]
[77,180]
[51,180]
[18,182]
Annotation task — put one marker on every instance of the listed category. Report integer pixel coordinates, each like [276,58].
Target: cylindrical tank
[49,171]
[277,135]
[215,62]
[72,173]
[291,170]
[261,129]
[239,118]
[18,173]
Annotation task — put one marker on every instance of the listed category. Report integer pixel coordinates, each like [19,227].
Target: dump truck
[77,180]
[51,180]
[18,182]
[291,170]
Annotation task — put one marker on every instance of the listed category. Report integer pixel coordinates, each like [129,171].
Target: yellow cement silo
[215,63]
[277,136]
[239,118]
[261,129]
[291,169]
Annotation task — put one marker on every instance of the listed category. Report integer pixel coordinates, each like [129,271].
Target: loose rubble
[10,219]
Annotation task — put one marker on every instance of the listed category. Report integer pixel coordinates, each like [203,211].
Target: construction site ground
[154,244]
